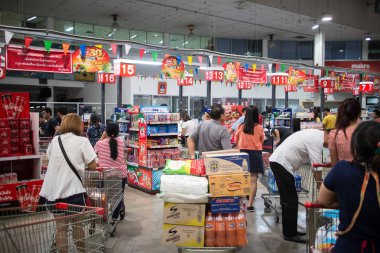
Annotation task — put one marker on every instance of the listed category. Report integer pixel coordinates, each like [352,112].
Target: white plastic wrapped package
[183,198]
[184,184]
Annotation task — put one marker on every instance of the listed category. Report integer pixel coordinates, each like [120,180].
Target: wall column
[319,60]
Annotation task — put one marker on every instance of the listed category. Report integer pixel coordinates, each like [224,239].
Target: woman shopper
[68,155]
[110,150]
[280,134]
[340,138]
[353,187]
[188,126]
[95,130]
[250,139]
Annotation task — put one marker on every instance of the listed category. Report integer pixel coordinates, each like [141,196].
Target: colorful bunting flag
[191,71]
[277,67]
[127,47]
[283,67]
[190,60]
[246,66]
[200,60]
[270,67]
[65,47]
[196,71]
[99,46]
[262,66]
[210,57]
[254,67]
[83,48]
[237,64]
[48,44]
[114,48]
[154,56]
[179,60]
[8,37]
[27,41]
[142,52]
[219,60]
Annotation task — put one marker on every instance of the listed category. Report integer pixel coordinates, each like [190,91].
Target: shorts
[255,160]
[77,199]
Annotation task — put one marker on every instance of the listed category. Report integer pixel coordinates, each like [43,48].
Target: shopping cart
[104,188]
[57,227]
[322,225]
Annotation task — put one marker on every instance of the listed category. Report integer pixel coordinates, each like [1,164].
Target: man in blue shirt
[239,121]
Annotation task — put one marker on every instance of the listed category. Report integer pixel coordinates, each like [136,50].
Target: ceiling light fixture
[367,38]
[133,36]
[190,29]
[115,26]
[69,29]
[327,18]
[155,35]
[315,26]
[31,18]
[161,41]
[110,34]
[271,43]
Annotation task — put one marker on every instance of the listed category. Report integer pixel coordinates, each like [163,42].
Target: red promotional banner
[38,60]
[373,66]
[124,69]
[327,83]
[310,89]
[296,76]
[366,86]
[14,105]
[173,67]
[257,76]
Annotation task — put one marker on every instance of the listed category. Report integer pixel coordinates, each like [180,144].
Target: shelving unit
[282,117]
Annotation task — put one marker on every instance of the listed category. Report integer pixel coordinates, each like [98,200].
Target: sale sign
[257,76]
[38,60]
[291,88]
[2,72]
[328,90]
[280,79]
[327,82]
[124,69]
[356,92]
[231,72]
[244,85]
[188,81]
[106,78]
[95,59]
[366,86]
[172,67]
[214,75]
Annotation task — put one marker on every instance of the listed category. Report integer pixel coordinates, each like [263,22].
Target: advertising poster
[254,77]
[296,76]
[230,72]
[96,59]
[173,68]
[14,105]
[38,60]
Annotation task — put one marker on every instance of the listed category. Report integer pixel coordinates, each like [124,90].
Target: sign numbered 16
[279,80]
[2,72]
[106,78]
[291,88]
[125,69]
[214,75]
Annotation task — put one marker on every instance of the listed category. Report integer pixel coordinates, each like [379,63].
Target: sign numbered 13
[279,80]
[214,75]
[125,69]
[106,78]
[2,72]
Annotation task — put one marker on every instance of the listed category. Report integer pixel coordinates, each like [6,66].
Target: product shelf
[123,121]
[131,146]
[24,157]
[163,123]
[163,134]
[143,189]
[164,146]
[150,168]
[133,164]
[133,129]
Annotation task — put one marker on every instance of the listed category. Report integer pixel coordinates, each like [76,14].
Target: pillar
[365,50]
[239,96]
[319,60]
[119,88]
[166,40]
[265,48]
[273,88]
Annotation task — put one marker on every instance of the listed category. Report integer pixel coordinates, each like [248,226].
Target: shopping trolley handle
[323,165]
[309,205]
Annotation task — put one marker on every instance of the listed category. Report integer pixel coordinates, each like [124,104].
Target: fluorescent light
[161,42]
[31,18]
[155,35]
[341,51]
[316,26]
[138,62]
[133,36]
[368,38]
[69,29]
[326,18]
[110,34]
[186,42]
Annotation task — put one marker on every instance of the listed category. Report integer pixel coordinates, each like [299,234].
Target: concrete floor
[140,232]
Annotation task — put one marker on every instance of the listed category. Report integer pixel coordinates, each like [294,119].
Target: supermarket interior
[190,126]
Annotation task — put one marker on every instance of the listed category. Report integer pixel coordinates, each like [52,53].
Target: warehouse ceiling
[250,19]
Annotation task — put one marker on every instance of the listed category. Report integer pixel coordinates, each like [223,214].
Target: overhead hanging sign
[106,77]
[279,78]
[373,66]
[38,60]
[366,86]
[187,81]
[124,69]
[244,85]
[172,67]
[356,92]
[328,90]
[95,59]
[214,75]
[291,88]
[254,77]
[296,76]
[231,72]
[327,82]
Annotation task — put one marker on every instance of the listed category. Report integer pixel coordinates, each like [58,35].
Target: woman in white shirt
[188,126]
[61,184]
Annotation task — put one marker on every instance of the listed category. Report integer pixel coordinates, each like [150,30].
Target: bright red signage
[366,86]
[373,66]
[106,78]
[280,79]
[244,85]
[14,105]
[327,83]
[214,75]
[328,90]
[356,92]
[188,81]
[2,72]
[38,60]
[291,88]
[124,69]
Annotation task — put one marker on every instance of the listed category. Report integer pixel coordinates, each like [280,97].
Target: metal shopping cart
[322,225]
[51,228]
[104,188]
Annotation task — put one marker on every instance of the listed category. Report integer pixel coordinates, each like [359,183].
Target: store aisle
[140,232]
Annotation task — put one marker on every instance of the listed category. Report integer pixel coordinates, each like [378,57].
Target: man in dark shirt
[51,125]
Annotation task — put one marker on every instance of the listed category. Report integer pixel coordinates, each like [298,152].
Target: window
[289,50]
[64,26]
[175,104]
[84,29]
[161,100]
[10,18]
[142,100]
[338,50]
[196,106]
[354,50]
[102,32]
[239,46]
[255,47]
[206,42]
[138,36]
[374,49]
[121,34]
[193,42]
[305,50]
[154,38]
[223,45]
[177,41]
[274,49]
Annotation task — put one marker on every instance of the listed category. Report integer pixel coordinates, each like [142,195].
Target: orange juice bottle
[230,230]
[241,229]
[220,235]
[210,231]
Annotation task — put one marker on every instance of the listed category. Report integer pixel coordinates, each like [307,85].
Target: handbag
[86,197]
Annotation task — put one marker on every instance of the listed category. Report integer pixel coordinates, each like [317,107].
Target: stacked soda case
[15,137]
[156,158]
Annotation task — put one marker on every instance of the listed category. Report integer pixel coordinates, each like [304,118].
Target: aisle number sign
[106,78]
[188,81]
[280,79]
[328,90]
[214,75]
[244,85]
[2,72]
[125,69]
[356,92]
[327,83]
[291,88]
[366,86]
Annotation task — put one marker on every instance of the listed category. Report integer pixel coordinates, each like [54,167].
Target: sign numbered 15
[291,88]
[279,80]
[125,69]
[214,75]
[2,72]
[106,78]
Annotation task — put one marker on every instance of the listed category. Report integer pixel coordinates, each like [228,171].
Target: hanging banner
[214,75]
[95,59]
[231,71]
[38,60]
[347,81]
[373,66]
[257,76]
[366,86]
[173,69]
[327,82]
[124,69]
[296,76]
[311,84]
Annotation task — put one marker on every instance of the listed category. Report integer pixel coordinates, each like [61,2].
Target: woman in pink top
[340,138]
[110,150]
[250,139]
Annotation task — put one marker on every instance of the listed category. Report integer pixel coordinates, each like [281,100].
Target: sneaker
[250,209]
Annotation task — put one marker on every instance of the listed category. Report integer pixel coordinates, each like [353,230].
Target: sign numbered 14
[125,69]
[214,75]
[106,78]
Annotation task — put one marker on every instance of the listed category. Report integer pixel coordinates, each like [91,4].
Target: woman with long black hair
[250,139]
[110,150]
[353,187]
[340,138]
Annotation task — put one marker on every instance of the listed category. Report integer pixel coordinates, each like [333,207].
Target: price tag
[328,90]
[106,78]
[214,75]
[2,72]
[188,81]
[327,83]
[279,80]
[366,87]
[244,85]
[125,69]
[291,88]
[356,92]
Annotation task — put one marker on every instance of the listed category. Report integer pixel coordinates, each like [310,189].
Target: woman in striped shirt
[110,150]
